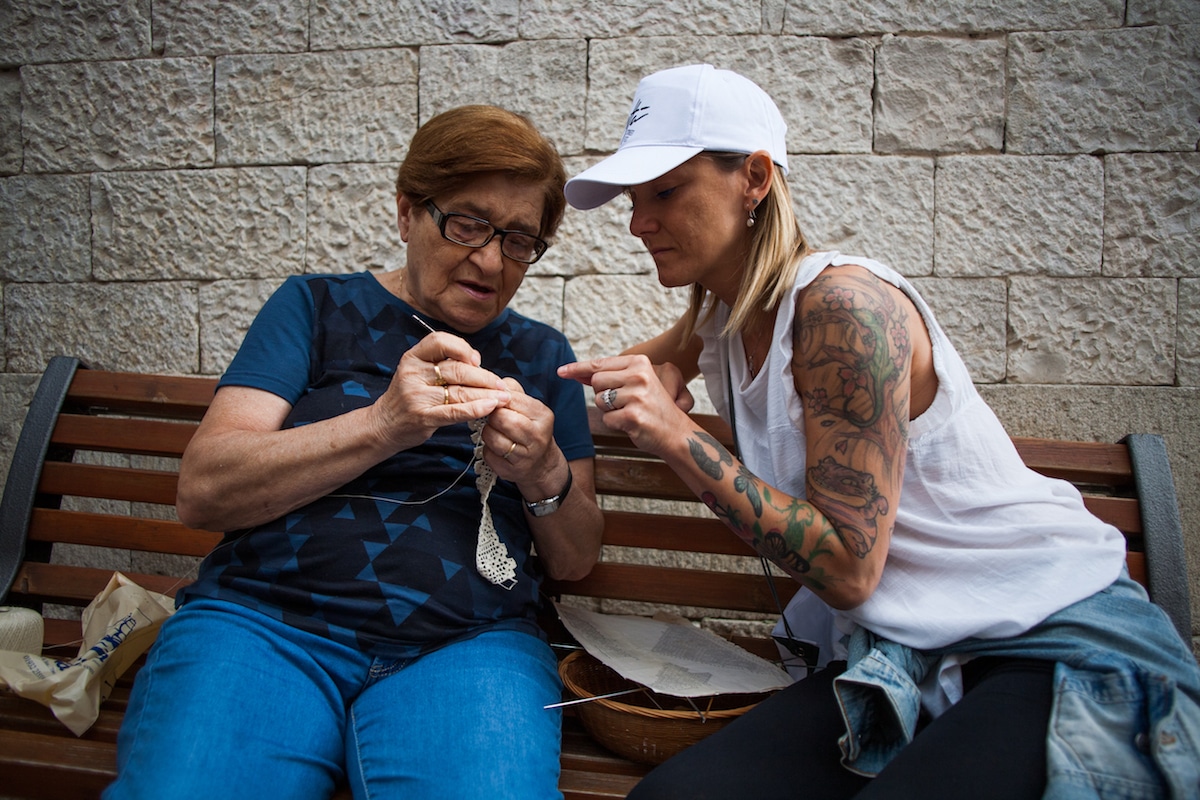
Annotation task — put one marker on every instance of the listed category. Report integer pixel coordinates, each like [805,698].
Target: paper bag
[118,626]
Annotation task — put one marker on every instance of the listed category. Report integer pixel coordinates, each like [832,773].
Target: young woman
[386,452]
[994,643]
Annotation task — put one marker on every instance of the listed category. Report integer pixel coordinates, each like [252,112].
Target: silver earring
[751,219]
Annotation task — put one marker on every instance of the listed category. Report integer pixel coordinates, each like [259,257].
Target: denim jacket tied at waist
[1126,716]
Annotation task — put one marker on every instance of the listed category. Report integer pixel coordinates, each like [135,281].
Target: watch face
[544,507]
[548,506]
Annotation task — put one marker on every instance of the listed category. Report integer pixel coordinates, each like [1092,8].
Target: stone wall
[1033,166]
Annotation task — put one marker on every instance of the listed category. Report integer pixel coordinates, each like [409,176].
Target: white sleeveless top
[982,546]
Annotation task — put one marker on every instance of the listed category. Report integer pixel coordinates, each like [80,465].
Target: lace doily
[492,559]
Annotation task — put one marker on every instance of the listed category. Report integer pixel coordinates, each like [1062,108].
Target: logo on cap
[637,113]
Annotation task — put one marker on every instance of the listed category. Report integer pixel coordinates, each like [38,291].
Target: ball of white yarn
[20,629]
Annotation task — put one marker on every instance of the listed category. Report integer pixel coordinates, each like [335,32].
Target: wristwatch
[548,506]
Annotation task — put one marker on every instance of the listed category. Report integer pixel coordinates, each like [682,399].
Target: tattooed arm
[851,365]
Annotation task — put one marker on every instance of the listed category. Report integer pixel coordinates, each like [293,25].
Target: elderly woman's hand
[519,444]
[438,382]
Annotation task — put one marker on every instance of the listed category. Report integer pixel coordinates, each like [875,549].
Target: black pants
[991,744]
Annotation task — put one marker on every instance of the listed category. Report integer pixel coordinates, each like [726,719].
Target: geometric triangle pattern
[380,564]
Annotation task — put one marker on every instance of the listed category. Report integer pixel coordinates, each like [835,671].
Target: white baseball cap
[677,113]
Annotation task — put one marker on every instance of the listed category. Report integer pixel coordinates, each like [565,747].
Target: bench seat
[93,482]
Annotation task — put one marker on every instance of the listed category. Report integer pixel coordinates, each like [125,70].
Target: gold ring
[446,399]
[438,372]
[511,447]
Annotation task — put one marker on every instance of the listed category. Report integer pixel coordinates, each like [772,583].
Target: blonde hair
[776,246]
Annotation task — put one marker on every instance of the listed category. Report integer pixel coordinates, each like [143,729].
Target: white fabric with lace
[492,559]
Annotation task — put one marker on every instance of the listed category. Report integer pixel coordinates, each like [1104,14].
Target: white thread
[393,501]
[21,629]
[492,559]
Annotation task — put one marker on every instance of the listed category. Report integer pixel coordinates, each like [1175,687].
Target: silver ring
[609,398]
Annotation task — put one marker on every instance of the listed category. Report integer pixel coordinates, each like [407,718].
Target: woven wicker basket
[644,726]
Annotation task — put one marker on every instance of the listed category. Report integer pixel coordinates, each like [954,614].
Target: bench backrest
[96,466]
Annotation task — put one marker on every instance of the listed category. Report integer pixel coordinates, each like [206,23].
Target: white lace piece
[491,556]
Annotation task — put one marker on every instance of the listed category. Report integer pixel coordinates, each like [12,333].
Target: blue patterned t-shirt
[386,563]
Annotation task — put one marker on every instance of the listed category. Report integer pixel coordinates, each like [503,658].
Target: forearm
[795,534]
[234,479]
[568,540]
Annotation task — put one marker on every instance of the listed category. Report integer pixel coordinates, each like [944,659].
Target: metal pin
[424,324]
[594,697]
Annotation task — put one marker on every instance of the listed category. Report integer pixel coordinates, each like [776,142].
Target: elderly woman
[995,647]
[386,453]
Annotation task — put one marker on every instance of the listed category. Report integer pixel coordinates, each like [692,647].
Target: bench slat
[138,436]
[664,532]
[80,767]
[113,483]
[640,478]
[1120,512]
[153,395]
[675,586]
[18,714]
[59,583]
[585,785]
[1082,462]
[111,530]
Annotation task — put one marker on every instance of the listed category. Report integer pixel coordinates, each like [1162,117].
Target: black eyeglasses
[475,232]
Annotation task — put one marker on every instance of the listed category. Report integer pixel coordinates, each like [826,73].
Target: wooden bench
[96,465]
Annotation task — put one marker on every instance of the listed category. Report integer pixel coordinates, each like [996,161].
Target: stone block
[936,94]
[1152,215]
[10,122]
[217,27]
[597,19]
[44,231]
[1118,332]
[837,18]
[15,393]
[201,224]
[1003,215]
[881,207]
[595,242]
[822,86]
[1187,348]
[607,313]
[1106,414]
[36,31]
[544,80]
[972,312]
[116,115]
[773,14]
[1162,12]
[392,23]
[140,327]
[315,107]
[541,299]
[226,310]
[1133,89]
[352,219]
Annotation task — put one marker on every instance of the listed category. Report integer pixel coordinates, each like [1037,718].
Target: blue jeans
[232,703]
